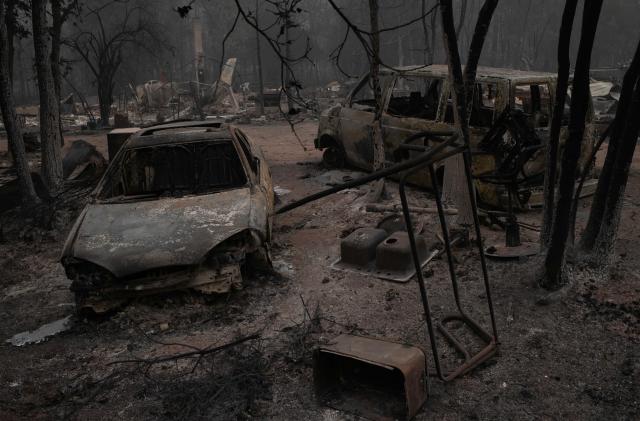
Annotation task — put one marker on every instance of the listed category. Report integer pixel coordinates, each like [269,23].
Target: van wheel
[333,157]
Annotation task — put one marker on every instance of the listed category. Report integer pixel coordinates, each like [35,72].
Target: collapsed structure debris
[182,206]
[605,101]
[183,99]
[83,161]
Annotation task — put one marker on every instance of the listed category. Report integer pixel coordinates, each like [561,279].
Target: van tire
[333,157]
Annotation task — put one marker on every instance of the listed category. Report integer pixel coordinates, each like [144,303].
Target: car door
[259,166]
[414,102]
[355,122]
[414,105]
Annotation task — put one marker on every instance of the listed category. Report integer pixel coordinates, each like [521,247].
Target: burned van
[509,125]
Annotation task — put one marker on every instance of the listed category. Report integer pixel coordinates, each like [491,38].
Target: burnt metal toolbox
[376,379]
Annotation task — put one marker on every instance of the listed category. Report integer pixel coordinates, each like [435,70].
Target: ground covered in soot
[575,357]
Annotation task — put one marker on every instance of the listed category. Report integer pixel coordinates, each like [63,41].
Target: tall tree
[564,68]
[101,43]
[9,117]
[461,86]
[376,128]
[477,44]
[602,226]
[425,32]
[555,258]
[288,26]
[376,124]
[50,138]
[60,12]
[455,188]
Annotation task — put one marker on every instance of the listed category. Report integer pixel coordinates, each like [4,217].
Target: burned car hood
[127,238]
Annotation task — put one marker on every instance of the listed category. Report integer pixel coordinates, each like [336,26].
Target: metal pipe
[386,172]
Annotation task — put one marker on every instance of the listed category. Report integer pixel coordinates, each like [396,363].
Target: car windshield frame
[113,178]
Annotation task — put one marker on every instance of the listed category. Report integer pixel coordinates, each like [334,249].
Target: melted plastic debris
[40,334]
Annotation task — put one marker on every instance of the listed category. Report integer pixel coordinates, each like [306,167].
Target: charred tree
[101,48]
[378,147]
[619,177]
[9,117]
[601,230]
[596,215]
[454,187]
[49,106]
[564,68]
[60,12]
[291,108]
[376,125]
[425,32]
[11,27]
[461,86]
[477,44]
[432,49]
[555,258]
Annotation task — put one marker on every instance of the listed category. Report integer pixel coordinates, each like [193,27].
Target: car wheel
[333,157]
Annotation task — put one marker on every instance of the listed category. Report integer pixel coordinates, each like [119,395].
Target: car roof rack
[213,124]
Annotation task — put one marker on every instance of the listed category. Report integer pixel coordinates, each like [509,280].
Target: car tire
[333,157]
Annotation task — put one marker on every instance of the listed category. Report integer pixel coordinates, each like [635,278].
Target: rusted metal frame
[470,361]
[437,153]
[476,222]
[490,340]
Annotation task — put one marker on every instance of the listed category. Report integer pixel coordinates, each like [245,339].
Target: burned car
[509,126]
[181,206]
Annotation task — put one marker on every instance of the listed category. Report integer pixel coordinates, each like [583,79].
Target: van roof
[484,73]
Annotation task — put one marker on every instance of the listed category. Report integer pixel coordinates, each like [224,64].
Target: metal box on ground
[375,379]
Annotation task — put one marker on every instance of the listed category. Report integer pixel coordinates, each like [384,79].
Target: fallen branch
[190,354]
[374,207]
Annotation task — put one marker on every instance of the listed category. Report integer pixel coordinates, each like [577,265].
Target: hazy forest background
[523,35]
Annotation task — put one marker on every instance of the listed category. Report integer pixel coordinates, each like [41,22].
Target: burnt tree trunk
[455,188]
[9,19]
[432,49]
[477,44]
[564,68]
[619,177]
[376,125]
[105,97]
[378,146]
[56,37]
[425,32]
[49,106]
[555,259]
[10,118]
[291,105]
[592,229]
